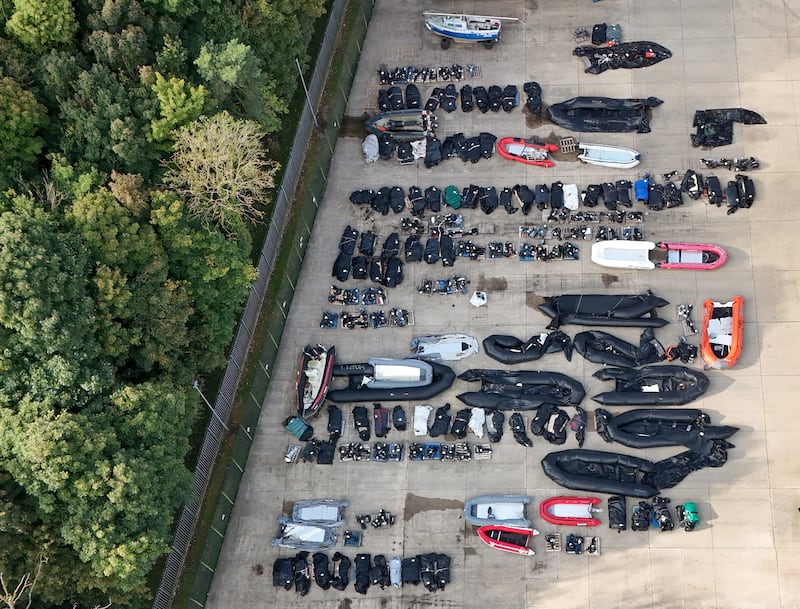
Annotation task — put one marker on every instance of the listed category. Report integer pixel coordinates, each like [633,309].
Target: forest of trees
[134,163]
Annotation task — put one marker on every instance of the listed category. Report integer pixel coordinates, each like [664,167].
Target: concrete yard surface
[745,553]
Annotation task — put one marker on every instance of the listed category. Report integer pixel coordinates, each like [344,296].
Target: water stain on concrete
[345,603]
[533,300]
[609,279]
[287,508]
[416,504]
[470,551]
[539,566]
[353,126]
[492,284]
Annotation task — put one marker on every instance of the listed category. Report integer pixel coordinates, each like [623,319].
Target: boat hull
[569,511]
[403,125]
[313,379]
[721,334]
[444,347]
[441,378]
[639,255]
[488,510]
[464,28]
[602,155]
[692,256]
[530,152]
[508,539]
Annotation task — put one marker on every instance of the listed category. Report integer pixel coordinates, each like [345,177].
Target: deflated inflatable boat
[648,428]
[511,350]
[652,385]
[520,389]
[604,310]
[618,474]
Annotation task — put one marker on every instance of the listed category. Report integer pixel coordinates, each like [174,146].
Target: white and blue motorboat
[465,28]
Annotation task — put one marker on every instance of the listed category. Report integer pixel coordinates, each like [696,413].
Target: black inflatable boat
[617,474]
[648,428]
[520,389]
[511,350]
[604,310]
[651,386]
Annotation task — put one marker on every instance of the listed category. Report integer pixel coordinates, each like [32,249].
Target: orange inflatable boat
[721,337]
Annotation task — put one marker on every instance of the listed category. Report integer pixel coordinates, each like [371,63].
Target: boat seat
[535,154]
[720,331]
[686,256]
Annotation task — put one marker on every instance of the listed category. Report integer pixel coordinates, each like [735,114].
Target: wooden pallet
[568,144]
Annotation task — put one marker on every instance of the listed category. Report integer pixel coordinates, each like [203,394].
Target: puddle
[353,126]
[416,504]
[533,300]
[609,279]
[492,284]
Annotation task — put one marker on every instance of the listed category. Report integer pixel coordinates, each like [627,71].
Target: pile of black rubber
[432,570]
[385,269]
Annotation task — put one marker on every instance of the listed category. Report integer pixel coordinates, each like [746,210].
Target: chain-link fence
[295,209]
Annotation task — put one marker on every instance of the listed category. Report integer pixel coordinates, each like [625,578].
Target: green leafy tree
[21,118]
[219,166]
[178,103]
[234,77]
[43,24]
[106,479]
[280,30]
[141,312]
[216,270]
[105,119]
[48,352]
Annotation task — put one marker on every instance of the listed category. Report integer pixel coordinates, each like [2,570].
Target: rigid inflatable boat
[506,510]
[646,255]
[569,511]
[508,538]
[391,379]
[530,152]
[403,125]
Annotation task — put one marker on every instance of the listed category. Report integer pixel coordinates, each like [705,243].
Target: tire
[445,43]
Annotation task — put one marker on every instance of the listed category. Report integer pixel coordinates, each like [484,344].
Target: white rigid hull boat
[608,156]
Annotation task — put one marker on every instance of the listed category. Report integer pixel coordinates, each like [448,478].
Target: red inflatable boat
[508,538]
[530,152]
[570,511]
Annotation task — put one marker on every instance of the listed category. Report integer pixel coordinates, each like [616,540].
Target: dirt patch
[353,126]
[345,603]
[533,300]
[608,279]
[539,566]
[416,504]
[492,284]
[470,551]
